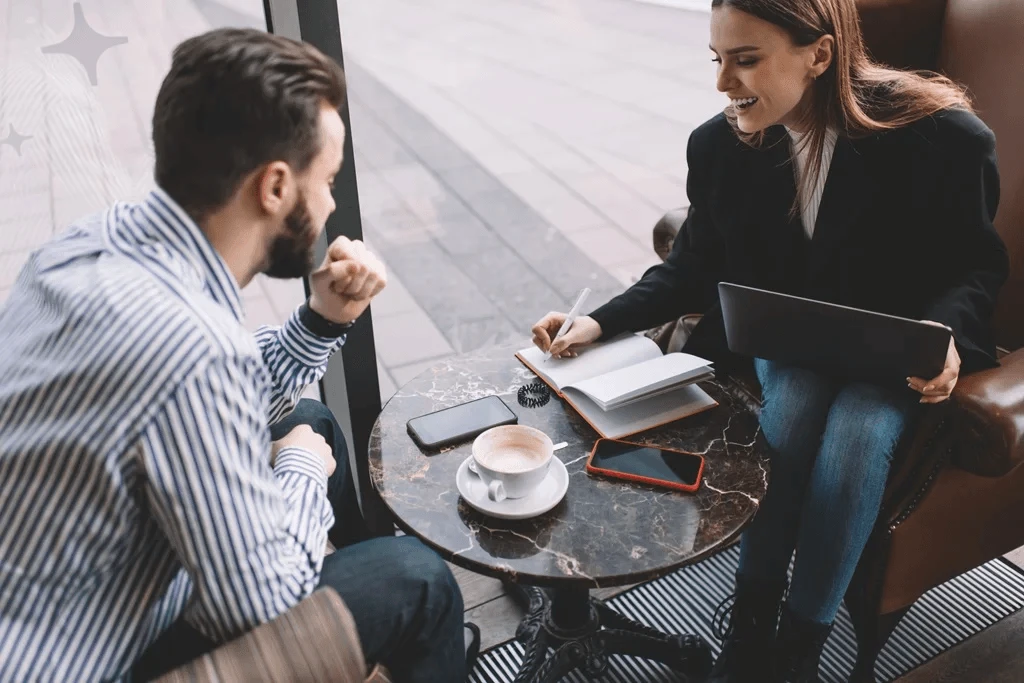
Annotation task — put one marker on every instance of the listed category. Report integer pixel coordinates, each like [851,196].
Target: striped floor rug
[684,602]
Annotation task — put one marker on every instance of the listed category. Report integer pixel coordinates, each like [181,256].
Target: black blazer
[904,228]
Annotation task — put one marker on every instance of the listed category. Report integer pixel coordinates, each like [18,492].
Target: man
[145,512]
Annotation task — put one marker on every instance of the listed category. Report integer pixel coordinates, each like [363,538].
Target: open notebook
[625,385]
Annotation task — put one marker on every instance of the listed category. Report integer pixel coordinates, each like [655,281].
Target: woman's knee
[865,426]
[794,408]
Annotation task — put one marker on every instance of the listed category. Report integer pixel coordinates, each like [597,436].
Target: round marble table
[603,533]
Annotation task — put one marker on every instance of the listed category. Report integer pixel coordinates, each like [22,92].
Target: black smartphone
[667,467]
[461,422]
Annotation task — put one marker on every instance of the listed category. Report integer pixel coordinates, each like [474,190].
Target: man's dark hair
[234,100]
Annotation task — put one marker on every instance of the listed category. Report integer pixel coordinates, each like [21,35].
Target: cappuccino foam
[512,459]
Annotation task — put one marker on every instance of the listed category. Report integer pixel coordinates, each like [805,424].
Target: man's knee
[417,564]
[319,417]
[313,413]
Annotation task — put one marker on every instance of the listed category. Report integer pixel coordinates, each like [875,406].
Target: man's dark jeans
[405,602]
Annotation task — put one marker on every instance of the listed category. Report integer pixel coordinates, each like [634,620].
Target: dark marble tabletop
[604,532]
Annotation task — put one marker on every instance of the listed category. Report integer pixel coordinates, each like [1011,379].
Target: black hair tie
[534,395]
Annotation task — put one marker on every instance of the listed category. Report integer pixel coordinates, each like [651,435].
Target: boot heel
[800,643]
[748,641]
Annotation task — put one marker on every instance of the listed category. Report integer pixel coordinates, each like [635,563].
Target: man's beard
[291,254]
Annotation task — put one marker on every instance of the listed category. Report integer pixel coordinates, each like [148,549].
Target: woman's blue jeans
[832,444]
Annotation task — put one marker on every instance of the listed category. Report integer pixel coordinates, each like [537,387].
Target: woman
[833,178]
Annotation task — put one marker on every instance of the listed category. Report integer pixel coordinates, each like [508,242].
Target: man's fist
[303,436]
[350,276]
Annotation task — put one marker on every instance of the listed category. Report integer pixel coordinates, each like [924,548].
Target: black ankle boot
[799,648]
[749,639]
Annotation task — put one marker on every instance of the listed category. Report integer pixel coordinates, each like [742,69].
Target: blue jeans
[402,596]
[832,444]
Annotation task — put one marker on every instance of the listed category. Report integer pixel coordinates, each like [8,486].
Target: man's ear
[822,55]
[274,185]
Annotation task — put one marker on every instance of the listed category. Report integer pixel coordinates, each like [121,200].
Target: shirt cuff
[305,345]
[295,460]
[327,515]
[611,324]
[321,326]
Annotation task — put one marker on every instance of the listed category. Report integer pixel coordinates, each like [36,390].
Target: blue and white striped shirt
[135,477]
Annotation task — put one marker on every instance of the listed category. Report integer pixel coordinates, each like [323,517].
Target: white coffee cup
[512,460]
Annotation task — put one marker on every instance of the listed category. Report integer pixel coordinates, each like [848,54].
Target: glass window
[79,81]
[510,153]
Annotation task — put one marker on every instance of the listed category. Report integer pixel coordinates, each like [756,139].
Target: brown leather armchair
[314,641]
[957,499]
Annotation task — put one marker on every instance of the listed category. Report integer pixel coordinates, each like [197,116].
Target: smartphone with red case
[665,467]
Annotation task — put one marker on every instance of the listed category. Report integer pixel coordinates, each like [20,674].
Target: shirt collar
[830,136]
[179,233]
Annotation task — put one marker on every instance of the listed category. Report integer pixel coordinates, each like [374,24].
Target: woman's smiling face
[767,77]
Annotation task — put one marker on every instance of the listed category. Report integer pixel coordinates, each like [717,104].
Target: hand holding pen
[560,335]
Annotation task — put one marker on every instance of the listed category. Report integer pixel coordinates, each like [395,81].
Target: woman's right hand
[584,330]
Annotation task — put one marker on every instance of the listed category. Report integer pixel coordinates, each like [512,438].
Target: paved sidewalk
[510,152]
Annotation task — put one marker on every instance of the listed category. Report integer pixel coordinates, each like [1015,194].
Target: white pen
[570,318]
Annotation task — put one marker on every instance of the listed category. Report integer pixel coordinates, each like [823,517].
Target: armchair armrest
[666,229]
[672,335]
[988,419]
[314,641]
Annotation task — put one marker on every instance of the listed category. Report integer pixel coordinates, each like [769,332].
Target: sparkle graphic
[85,44]
[14,139]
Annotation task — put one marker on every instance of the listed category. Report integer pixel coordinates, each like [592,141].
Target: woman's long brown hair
[854,96]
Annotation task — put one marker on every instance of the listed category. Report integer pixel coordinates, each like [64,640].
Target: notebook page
[647,376]
[593,360]
[645,414]
[694,377]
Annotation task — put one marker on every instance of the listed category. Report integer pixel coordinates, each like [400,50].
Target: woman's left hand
[938,389]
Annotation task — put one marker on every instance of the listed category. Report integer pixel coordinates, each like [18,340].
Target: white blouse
[810,196]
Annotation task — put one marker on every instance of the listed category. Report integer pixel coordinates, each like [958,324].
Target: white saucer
[547,495]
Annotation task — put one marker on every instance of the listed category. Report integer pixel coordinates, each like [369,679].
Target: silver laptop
[836,340]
